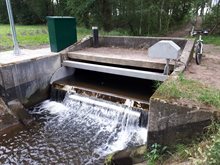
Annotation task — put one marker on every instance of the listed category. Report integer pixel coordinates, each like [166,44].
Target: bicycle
[199,44]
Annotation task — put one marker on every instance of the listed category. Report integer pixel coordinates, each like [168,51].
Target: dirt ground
[208,72]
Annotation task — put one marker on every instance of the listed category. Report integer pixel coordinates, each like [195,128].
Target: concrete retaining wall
[28,81]
[171,122]
[137,42]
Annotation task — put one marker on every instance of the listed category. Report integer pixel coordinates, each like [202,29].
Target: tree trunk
[106,15]
[141,18]
[217,14]
[161,13]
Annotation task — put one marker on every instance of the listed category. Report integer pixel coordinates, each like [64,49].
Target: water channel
[73,132]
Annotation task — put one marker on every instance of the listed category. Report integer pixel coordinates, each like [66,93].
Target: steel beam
[116,70]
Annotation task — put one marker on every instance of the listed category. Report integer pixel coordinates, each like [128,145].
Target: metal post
[95,34]
[167,68]
[14,36]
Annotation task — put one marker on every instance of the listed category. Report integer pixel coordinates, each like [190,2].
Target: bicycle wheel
[198,54]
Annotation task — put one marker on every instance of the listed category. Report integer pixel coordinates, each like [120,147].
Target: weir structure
[31,78]
[28,77]
[39,74]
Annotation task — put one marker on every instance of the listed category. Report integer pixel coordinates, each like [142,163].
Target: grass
[204,150]
[27,36]
[190,89]
[212,152]
[215,40]
[38,35]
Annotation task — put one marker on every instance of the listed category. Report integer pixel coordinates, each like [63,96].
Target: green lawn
[27,36]
[36,35]
[215,40]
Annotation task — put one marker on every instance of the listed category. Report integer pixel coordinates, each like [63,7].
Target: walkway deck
[118,56]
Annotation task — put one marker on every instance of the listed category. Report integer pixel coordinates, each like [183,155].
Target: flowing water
[79,130]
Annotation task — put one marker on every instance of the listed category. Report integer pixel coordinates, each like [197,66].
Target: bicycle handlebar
[196,32]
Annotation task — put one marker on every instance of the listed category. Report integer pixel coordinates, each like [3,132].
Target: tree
[28,11]
[137,17]
[3,12]
[211,19]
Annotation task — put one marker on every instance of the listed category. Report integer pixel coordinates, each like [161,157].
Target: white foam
[116,127]
[103,104]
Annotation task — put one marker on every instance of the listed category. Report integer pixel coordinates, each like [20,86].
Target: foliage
[212,19]
[213,155]
[29,12]
[137,17]
[207,151]
[190,89]
[200,151]
[156,151]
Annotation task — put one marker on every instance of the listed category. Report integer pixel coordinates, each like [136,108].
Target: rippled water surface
[75,131]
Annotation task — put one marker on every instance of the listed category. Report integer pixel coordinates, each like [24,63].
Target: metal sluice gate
[116,70]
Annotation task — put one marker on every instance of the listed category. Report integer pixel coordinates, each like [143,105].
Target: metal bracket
[166,70]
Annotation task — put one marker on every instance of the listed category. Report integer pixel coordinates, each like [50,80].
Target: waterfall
[110,127]
[77,130]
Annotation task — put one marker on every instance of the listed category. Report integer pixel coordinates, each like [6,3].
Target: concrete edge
[29,60]
[186,56]
[78,43]
[143,37]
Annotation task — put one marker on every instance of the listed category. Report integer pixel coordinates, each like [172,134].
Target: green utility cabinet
[62,32]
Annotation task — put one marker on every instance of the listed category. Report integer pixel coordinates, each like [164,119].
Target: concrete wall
[123,41]
[6,119]
[171,122]
[136,42]
[28,81]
